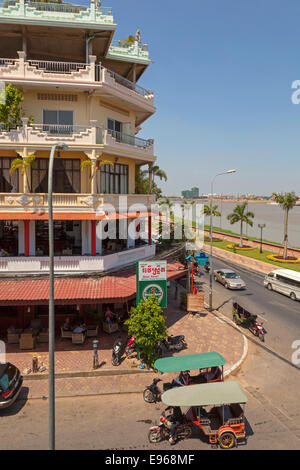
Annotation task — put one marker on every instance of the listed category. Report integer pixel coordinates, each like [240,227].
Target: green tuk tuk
[210,366]
[216,408]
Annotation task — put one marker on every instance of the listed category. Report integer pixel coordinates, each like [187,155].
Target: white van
[285,281]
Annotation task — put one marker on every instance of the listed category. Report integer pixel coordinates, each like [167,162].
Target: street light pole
[58,146]
[211,246]
[261,226]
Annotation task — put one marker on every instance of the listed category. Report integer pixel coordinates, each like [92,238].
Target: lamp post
[211,262]
[261,226]
[58,146]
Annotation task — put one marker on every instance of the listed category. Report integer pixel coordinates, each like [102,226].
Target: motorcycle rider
[173,420]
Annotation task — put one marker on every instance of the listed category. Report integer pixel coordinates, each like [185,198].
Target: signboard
[195,302]
[151,278]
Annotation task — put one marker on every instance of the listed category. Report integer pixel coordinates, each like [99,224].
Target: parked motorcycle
[161,431]
[117,352]
[152,393]
[207,267]
[173,343]
[131,346]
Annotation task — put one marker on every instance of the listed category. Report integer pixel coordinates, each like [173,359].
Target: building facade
[80,88]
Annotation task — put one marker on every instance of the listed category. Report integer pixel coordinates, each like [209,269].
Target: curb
[85,373]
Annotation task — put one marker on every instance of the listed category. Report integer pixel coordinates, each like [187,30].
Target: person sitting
[67,325]
[213,374]
[183,378]
[173,420]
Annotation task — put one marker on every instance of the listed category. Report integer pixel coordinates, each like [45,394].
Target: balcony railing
[19,69]
[73,134]
[56,67]
[28,9]
[130,139]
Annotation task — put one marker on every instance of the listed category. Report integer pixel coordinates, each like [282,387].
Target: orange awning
[71,215]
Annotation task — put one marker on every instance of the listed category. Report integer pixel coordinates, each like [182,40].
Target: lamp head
[61,146]
[231,171]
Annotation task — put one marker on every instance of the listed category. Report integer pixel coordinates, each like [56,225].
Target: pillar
[26,237]
[150,165]
[149,229]
[93,237]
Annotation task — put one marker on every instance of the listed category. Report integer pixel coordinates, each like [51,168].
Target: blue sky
[222,73]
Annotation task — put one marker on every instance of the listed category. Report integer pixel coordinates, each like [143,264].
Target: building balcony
[38,73]
[124,51]
[77,137]
[74,264]
[15,202]
[26,11]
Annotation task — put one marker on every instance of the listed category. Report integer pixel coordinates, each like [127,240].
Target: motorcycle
[117,352]
[152,393]
[207,267]
[173,343]
[258,330]
[161,431]
[131,346]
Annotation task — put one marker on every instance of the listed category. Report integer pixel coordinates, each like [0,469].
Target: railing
[128,45]
[5,62]
[56,67]
[65,7]
[6,127]
[59,129]
[130,139]
[128,84]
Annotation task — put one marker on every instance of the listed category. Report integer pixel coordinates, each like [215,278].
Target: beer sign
[151,279]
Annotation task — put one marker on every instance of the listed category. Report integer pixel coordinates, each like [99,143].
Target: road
[120,422]
[268,374]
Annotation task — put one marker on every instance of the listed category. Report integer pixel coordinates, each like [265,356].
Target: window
[8,183]
[115,128]
[66,175]
[114,179]
[288,281]
[58,122]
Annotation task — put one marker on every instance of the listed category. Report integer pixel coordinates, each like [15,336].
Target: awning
[73,215]
[189,362]
[218,394]
[72,291]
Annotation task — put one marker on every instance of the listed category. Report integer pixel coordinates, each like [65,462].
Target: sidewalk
[203,333]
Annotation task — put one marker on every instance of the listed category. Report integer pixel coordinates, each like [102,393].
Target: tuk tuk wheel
[227,440]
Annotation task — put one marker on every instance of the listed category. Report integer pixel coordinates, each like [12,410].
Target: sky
[222,75]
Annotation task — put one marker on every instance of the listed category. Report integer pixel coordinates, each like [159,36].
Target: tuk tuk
[210,365]
[245,313]
[216,408]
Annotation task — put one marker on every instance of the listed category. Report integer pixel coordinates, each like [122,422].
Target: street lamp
[261,226]
[211,262]
[54,148]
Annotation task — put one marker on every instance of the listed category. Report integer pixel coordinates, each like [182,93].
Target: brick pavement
[203,333]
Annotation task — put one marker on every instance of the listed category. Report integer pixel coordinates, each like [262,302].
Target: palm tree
[239,214]
[214,211]
[95,166]
[22,164]
[287,202]
[156,171]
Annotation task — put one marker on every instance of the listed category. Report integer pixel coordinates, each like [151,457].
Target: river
[269,214]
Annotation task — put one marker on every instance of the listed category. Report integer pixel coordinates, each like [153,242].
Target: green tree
[11,111]
[142,183]
[22,164]
[287,202]
[240,215]
[147,324]
[95,166]
[156,171]
[214,211]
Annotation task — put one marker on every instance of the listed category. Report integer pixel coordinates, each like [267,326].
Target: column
[32,238]
[150,229]
[26,237]
[150,165]
[93,237]
[98,238]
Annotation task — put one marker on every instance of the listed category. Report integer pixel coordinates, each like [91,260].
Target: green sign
[151,279]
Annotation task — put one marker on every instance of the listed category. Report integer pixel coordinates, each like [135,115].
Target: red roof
[114,288]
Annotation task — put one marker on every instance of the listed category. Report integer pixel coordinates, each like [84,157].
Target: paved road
[267,374]
[120,422]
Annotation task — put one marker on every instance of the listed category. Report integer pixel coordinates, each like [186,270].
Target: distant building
[190,194]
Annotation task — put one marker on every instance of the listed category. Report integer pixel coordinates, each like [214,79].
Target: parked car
[10,384]
[230,279]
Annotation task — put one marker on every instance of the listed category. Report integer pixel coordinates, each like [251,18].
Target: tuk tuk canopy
[189,362]
[246,303]
[211,394]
